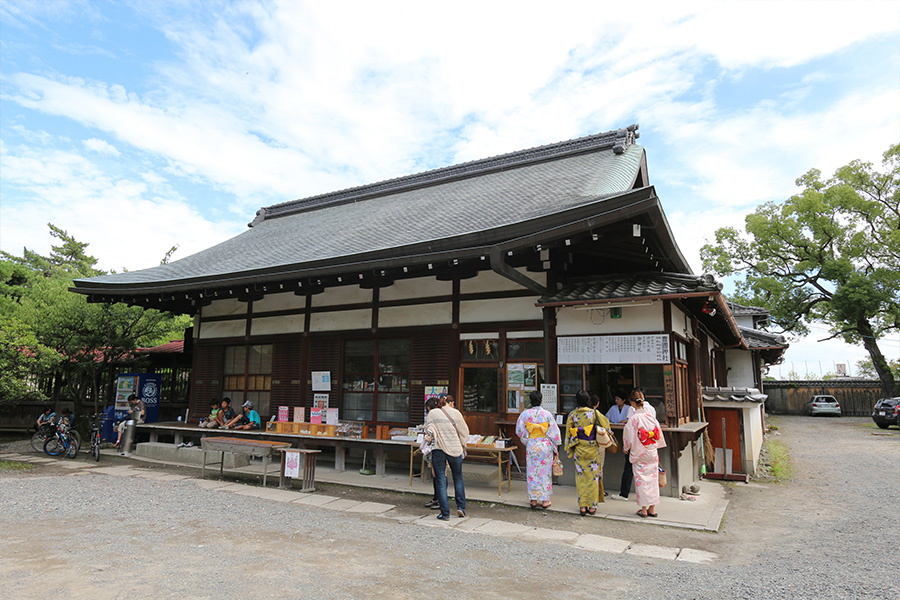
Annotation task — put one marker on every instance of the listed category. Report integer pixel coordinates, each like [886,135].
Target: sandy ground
[830,532]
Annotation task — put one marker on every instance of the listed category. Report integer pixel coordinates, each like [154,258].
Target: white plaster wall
[273,325]
[745,321]
[489,281]
[741,364]
[409,316]
[219,329]
[681,322]
[416,288]
[346,294]
[635,319]
[502,309]
[753,436]
[283,301]
[221,308]
[341,320]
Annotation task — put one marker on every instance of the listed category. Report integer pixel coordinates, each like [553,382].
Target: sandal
[546,505]
[641,515]
[592,511]
[534,504]
[583,511]
[654,515]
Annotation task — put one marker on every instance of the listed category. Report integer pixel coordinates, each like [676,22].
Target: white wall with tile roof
[499,310]
[440,313]
[635,319]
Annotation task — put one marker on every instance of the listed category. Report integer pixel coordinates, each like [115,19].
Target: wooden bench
[378,447]
[258,448]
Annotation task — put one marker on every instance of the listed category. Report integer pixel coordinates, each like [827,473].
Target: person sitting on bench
[225,414]
[248,420]
[211,421]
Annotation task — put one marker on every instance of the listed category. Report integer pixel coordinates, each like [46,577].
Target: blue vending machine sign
[149,389]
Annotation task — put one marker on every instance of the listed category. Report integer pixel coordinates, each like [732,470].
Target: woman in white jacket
[447,427]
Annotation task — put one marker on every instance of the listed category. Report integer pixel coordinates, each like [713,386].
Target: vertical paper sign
[331,416]
[321,381]
[513,401]
[282,414]
[515,376]
[299,414]
[291,464]
[317,412]
[548,391]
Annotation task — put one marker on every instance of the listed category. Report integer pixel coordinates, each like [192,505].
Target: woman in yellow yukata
[586,436]
[537,429]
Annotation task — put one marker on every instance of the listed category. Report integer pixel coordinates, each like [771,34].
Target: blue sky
[137,126]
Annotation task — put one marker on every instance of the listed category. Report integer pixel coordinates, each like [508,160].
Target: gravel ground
[830,532]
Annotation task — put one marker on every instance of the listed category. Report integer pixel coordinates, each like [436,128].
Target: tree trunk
[888,383]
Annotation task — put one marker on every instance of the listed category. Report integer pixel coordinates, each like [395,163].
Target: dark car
[887,412]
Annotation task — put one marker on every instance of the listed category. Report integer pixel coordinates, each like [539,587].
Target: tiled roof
[733,394]
[173,347]
[739,310]
[763,340]
[428,210]
[637,285]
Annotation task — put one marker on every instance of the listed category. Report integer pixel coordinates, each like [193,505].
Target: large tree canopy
[829,254]
[39,314]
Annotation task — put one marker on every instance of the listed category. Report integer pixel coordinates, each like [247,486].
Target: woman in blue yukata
[540,435]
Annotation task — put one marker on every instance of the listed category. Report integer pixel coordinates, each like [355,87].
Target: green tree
[864,368]
[89,339]
[829,254]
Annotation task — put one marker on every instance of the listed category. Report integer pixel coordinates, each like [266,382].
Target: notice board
[646,349]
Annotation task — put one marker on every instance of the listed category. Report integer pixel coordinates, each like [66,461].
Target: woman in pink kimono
[540,434]
[642,436]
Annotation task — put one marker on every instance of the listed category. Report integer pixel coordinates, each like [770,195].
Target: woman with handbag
[540,435]
[585,436]
[447,428]
[642,438]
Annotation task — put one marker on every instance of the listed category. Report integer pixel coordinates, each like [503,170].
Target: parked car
[823,405]
[887,412]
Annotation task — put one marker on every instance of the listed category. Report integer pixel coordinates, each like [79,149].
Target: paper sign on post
[291,464]
[282,414]
[299,414]
[321,381]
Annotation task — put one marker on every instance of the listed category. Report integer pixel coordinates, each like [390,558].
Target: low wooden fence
[856,397]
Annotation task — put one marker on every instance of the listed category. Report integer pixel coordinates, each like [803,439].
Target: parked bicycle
[62,442]
[40,436]
[95,436]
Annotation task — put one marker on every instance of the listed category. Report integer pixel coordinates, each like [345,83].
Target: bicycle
[95,436]
[62,442]
[40,436]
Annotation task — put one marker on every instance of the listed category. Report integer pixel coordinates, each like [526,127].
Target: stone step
[190,456]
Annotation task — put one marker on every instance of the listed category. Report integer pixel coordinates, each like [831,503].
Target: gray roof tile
[438,205]
[637,285]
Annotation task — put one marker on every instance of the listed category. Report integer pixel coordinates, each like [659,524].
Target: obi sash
[648,437]
[586,433]
[537,430]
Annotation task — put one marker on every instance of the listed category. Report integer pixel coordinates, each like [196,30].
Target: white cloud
[128,223]
[100,146]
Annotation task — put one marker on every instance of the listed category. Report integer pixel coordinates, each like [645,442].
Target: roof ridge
[618,139]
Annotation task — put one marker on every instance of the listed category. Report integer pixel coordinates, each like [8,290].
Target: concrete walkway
[477,525]
[703,512]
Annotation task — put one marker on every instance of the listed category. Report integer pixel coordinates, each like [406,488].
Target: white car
[823,405]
